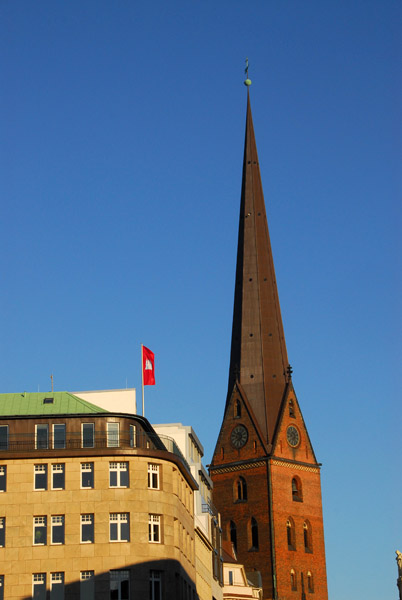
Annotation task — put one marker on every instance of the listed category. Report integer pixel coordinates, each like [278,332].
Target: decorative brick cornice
[239,467]
[296,466]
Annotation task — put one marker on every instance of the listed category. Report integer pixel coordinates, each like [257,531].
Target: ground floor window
[39,586]
[87,585]
[57,586]
[119,585]
[155,585]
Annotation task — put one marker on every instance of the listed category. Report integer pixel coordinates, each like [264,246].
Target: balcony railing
[30,442]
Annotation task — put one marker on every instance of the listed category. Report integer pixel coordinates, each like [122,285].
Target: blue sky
[122,127]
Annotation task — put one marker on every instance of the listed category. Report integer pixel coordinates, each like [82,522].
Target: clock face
[239,436]
[292,436]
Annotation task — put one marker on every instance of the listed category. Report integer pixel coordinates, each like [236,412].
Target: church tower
[265,473]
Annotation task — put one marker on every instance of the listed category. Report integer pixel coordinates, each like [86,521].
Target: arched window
[293,580]
[297,495]
[310,582]
[290,533]
[291,409]
[240,490]
[237,409]
[254,534]
[233,535]
[307,537]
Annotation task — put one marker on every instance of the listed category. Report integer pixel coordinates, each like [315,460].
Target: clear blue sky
[122,127]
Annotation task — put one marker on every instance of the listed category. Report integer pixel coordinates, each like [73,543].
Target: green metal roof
[45,403]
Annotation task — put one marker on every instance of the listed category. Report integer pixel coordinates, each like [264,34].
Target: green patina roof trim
[26,404]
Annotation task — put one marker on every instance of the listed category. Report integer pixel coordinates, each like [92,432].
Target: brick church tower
[265,473]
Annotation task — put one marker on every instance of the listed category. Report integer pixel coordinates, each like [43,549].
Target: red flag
[148,366]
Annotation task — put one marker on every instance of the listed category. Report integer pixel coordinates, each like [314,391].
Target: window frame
[57,522]
[133,436]
[119,576]
[55,472]
[4,444]
[87,585]
[120,468]
[39,581]
[59,444]
[118,520]
[155,584]
[254,534]
[290,534]
[153,476]
[39,445]
[56,585]
[110,441]
[38,527]
[89,523]
[84,443]
[2,532]
[154,529]
[85,470]
[3,478]
[40,470]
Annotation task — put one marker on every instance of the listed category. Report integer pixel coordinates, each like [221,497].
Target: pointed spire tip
[247,82]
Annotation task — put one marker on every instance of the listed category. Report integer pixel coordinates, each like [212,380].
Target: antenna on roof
[51,377]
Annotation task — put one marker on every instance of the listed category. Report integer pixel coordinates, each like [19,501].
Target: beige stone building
[208,533]
[93,504]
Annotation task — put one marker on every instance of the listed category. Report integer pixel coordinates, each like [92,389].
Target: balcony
[30,442]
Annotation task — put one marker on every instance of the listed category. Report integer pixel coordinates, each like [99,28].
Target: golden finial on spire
[248,81]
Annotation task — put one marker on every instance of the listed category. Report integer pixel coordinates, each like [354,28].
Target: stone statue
[399,580]
[399,561]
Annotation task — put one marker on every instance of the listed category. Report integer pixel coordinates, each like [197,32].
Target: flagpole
[142,379]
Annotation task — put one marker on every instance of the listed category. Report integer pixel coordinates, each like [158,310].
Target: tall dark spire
[258,352]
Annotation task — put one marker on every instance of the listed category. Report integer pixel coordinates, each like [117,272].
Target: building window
[154,528]
[291,409]
[3,478]
[118,474]
[290,533]
[3,437]
[87,435]
[87,585]
[133,436]
[2,532]
[293,580]
[58,476]
[40,477]
[119,585]
[41,437]
[155,585]
[310,582]
[57,529]
[297,490]
[254,534]
[39,586]
[1,587]
[240,490]
[153,476]
[233,535]
[119,527]
[87,529]
[57,586]
[87,475]
[307,537]
[113,435]
[40,531]
[59,435]
[237,409]
[230,577]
